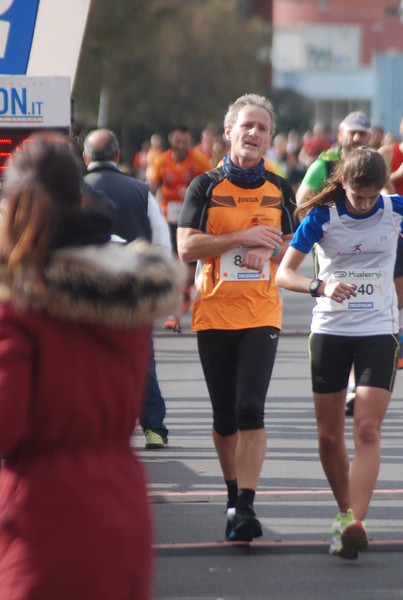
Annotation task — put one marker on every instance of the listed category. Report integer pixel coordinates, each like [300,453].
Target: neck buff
[243,176]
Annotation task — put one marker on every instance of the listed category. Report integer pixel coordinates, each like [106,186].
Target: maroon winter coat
[74,519]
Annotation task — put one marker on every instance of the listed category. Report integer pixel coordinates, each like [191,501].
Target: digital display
[15,140]
[10,140]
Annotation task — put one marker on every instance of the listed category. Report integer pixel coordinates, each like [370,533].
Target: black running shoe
[350,405]
[244,526]
[350,400]
[230,517]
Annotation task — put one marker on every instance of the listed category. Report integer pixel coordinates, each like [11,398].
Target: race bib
[173,211]
[231,270]
[369,285]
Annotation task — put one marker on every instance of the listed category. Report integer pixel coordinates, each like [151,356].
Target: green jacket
[319,171]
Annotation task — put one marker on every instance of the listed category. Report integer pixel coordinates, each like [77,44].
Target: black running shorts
[332,356]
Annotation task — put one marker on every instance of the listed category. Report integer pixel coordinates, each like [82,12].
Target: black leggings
[237,366]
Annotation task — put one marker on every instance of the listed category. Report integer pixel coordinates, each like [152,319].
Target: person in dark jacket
[137,215]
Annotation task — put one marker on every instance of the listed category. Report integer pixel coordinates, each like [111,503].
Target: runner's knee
[251,415]
[224,426]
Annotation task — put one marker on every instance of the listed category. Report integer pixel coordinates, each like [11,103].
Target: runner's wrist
[316,288]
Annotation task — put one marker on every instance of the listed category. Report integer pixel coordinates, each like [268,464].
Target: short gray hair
[249,100]
[101,145]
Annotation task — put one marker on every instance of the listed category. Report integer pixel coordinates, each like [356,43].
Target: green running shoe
[154,441]
[349,536]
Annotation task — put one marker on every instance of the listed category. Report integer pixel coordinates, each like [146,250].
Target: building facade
[343,55]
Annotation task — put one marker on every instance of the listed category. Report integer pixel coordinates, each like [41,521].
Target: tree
[293,111]
[155,63]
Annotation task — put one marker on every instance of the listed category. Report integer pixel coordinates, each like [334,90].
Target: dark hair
[42,188]
[362,167]
[179,127]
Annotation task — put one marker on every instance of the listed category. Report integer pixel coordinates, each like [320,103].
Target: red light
[5,157]
[10,144]
[25,142]
[13,140]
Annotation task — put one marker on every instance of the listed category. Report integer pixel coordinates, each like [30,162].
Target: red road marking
[275,546]
[269,544]
[308,492]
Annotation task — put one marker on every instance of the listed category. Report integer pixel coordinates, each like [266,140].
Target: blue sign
[17,26]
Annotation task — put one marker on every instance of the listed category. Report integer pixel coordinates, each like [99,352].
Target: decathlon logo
[17,26]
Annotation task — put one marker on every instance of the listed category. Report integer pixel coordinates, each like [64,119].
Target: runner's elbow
[184,252]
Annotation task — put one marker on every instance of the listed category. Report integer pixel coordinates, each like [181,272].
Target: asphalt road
[294,503]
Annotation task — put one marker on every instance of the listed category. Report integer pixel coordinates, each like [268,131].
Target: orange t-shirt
[150,160]
[174,177]
[221,303]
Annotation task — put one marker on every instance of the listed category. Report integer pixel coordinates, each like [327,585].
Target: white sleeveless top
[363,252]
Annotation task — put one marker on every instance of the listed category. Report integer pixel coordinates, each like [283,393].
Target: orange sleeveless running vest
[221,304]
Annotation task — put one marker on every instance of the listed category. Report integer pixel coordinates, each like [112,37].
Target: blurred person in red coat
[75,317]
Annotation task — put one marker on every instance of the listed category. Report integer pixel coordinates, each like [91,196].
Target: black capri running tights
[237,366]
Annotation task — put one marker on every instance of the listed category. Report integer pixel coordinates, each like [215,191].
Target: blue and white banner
[41,37]
[17,26]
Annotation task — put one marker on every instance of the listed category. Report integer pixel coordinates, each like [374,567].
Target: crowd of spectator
[290,155]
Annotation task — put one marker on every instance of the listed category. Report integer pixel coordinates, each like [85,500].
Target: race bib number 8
[231,270]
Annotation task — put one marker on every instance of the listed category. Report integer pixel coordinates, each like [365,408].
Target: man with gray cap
[354,131]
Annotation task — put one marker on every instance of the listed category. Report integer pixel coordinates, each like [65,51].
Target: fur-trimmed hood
[110,284]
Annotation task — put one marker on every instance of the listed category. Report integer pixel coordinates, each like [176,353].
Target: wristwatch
[314,287]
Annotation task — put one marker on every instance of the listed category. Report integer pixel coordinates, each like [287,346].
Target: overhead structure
[40,44]
[42,37]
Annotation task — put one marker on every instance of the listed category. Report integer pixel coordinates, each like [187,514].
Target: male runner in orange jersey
[173,171]
[237,221]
